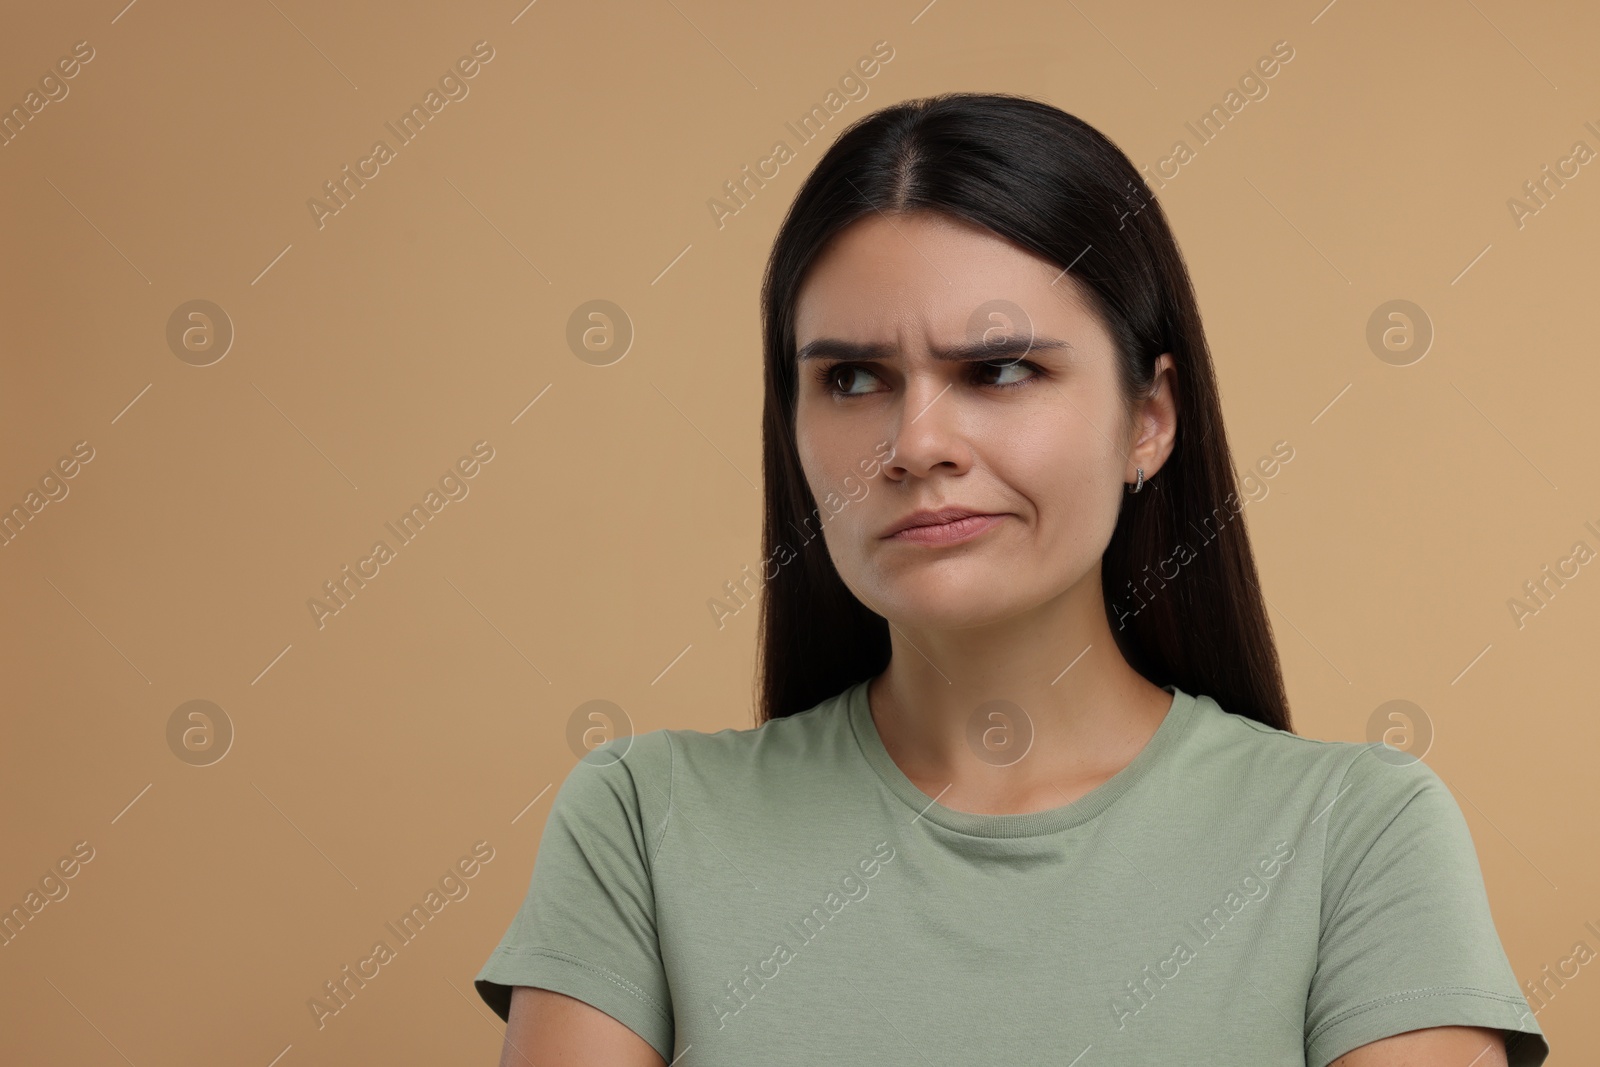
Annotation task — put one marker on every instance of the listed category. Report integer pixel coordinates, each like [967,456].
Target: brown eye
[836,379]
[1006,367]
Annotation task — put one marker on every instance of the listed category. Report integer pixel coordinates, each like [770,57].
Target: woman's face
[1037,436]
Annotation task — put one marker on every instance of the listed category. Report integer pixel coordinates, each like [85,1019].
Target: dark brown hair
[1053,184]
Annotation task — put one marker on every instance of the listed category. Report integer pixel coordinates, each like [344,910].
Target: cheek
[1071,474]
[830,447]
[1056,457]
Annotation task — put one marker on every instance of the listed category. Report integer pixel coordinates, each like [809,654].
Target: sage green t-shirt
[786,895]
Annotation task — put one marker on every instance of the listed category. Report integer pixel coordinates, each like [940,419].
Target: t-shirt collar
[1024,824]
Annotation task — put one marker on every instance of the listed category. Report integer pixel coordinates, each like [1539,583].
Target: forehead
[927,274]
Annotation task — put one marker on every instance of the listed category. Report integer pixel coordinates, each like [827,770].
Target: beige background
[369,354]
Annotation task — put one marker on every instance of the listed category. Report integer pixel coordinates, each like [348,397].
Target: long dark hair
[1053,184]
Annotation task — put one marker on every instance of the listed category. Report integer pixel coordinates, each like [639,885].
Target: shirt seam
[1355,868]
[1407,995]
[615,979]
[1191,716]
[1261,727]
[661,830]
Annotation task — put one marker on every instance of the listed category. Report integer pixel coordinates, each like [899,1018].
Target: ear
[1155,422]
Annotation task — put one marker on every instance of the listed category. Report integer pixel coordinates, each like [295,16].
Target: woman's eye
[841,378]
[1008,371]
[838,378]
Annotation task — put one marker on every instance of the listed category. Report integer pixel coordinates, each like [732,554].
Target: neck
[1023,714]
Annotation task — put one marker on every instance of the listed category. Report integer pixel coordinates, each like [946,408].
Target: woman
[1025,787]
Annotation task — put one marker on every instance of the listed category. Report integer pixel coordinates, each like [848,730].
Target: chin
[942,604]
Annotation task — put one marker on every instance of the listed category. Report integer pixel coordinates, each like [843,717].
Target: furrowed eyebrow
[974,351]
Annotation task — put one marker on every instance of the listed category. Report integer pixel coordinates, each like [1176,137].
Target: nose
[930,435]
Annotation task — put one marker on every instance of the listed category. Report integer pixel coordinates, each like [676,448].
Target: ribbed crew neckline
[1014,824]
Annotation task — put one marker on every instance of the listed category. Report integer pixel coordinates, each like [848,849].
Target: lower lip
[948,533]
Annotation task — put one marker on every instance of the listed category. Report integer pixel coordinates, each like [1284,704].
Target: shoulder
[1380,814]
[757,750]
[1237,742]
[645,775]
[1371,775]
[1361,785]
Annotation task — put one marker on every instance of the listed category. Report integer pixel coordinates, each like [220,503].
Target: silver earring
[1140,483]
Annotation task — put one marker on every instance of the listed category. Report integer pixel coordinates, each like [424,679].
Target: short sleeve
[587,927]
[1406,939]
